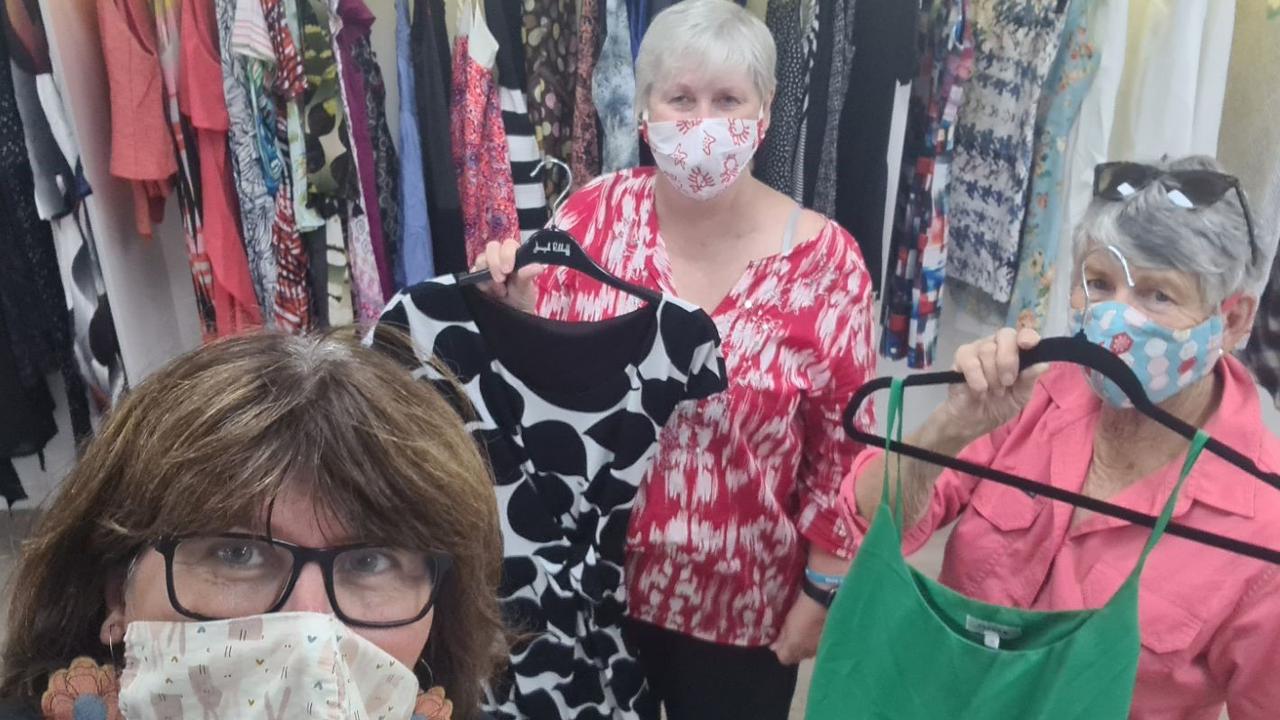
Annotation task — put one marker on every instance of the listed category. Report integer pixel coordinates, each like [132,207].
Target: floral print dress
[1069,81]
[480,151]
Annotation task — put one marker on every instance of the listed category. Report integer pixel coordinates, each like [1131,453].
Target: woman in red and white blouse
[740,507]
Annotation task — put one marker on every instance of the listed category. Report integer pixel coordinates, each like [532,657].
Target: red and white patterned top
[745,479]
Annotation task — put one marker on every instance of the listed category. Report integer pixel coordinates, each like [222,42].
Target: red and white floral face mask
[703,157]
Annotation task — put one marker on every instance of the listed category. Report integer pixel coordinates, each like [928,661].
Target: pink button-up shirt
[1210,620]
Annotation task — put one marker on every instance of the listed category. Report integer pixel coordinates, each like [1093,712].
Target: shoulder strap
[1162,523]
[789,236]
[893,429]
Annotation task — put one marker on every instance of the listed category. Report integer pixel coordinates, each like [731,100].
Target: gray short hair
[1211,244]
[712,34]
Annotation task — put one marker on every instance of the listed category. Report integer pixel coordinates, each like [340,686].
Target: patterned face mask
[703,157]
[281,665]
[1165,361]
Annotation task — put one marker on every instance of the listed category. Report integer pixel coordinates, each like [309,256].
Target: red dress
[141,146]
[487,192]
[201,99]
[745,480]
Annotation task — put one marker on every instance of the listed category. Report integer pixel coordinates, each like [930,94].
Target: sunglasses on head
[1188,189]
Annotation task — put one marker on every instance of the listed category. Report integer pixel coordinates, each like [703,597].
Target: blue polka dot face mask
[1166,361]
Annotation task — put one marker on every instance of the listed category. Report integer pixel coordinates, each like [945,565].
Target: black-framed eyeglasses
[1189,189]
[228,575]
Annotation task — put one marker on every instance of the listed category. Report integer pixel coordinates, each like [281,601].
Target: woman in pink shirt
[1164,260]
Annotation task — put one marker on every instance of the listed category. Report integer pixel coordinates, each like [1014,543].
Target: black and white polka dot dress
[570,415]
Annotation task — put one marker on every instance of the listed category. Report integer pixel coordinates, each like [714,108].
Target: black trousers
[698,680]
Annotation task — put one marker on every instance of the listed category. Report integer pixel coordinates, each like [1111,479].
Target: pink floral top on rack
[744,480]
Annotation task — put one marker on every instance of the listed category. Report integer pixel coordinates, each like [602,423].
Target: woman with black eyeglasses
[273,527]
[1164,260]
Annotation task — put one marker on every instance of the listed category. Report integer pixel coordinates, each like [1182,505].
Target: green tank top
[900,646]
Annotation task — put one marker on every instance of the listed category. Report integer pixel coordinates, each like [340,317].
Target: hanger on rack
[553,246]
[1079,351]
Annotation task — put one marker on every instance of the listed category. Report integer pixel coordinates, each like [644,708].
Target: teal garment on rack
[1068,83]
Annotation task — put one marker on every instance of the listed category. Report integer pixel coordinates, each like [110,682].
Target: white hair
[713,35]
[1210,244]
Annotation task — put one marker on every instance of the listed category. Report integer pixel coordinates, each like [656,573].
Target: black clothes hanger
[553,246]
[1078,351]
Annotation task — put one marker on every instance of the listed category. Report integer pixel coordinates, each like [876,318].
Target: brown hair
[210,440]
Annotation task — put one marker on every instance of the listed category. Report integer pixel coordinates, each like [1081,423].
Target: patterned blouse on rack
[743,481]
[918,250]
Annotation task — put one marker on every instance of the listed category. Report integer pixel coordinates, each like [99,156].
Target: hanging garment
[187,180]
[918,253]
[570,442]
[26,419]
[141,150]
[417,262]
[815,114]
[1177,58]
[810,52]
[384,159]
[251,40]
[842,52]
[503,18]
[352,21]
[331,175]
[1209,619]
[637,23]
[32,301]
[286,80]
[306,217]
[614,92]
[257,205]
[97,353]
[479,141]
[60,193]
[550,35]
[366,268]
[900,644]
[885,38]
[775,163]
[331,172]
[432,69]
[1016,42]
[585,159]
[1089,142]
[1252,101]
[202,102]
[1068,83]
[763,459]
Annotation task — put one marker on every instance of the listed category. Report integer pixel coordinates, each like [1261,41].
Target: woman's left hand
[801,631]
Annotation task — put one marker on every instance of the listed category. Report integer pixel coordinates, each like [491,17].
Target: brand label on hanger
[992,633]
[550,247]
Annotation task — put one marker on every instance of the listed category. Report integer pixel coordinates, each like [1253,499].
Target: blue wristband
[818,578]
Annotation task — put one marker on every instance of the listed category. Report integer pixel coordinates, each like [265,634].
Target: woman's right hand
[517,289]
[994,391]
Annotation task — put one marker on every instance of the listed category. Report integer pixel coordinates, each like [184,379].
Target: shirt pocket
[1006,555]
[1167,629]
[1010,510]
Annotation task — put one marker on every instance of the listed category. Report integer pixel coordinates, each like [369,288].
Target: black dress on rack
[35,327]
[433,78]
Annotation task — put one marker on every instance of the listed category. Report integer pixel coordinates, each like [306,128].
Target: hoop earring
[432,683]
